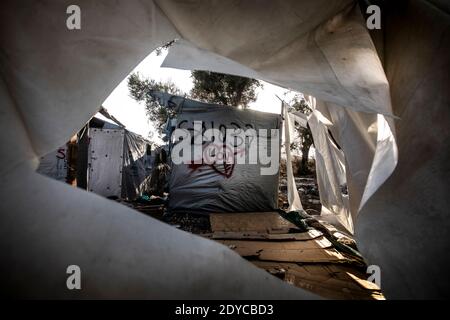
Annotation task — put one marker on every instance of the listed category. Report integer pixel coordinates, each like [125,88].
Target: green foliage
[209,87]
[224,89]
[140,89]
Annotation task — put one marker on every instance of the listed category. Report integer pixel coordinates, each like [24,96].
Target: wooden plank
[333,281]
[308,255]
[318,243]
[364,283]
[262,222]
[252,235]
[316,250]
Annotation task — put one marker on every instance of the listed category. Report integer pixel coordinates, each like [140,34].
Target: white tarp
[136,167]
[53,80]
[335,61]
[105,161]
[330,170]
[116,162]
[54,164]
[231,186]
[292,192]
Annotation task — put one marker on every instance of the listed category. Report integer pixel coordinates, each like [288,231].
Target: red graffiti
[227,156]
[61,153]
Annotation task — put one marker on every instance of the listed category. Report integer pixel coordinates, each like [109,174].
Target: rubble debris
[305,222]
[194,223]
[302,250]
[308,191]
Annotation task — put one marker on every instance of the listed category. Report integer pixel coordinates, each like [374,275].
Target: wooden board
[333,281]
[262,222]
[316,250]
[253,235]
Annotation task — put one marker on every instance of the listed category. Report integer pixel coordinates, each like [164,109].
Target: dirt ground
[307,190]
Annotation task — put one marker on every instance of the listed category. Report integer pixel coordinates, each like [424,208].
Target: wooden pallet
[315,250]
[305,259]
[332,281]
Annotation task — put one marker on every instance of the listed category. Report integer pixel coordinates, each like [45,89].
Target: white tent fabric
[236,184]
[330,167]
[53,80]
[292,192]
[330,171]
[299,117]
[403,226]
[54,164]
[335,61]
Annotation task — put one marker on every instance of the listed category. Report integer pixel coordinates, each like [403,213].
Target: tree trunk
[304,164]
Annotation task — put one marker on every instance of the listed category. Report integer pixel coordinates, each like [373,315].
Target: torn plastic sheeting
[299,117]
[137,164]
[293,197]
[336,58]
[39,81]
[330,171]
[54,164]
[362,143]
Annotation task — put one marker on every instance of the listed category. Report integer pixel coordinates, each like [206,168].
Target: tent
[54,164]
[111,161]
[228,183]
[383,91]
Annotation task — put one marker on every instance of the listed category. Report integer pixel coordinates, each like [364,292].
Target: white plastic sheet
[235,185]
[288,129]
[334,60]
[330,171]
[137,165]
[54,164]
[105,161]
[54,79]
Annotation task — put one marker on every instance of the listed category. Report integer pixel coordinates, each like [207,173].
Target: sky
[132,114]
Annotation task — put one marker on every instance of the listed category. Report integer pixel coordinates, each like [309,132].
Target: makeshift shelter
[118,161]
[229,183]
[397,172]
[111,160]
